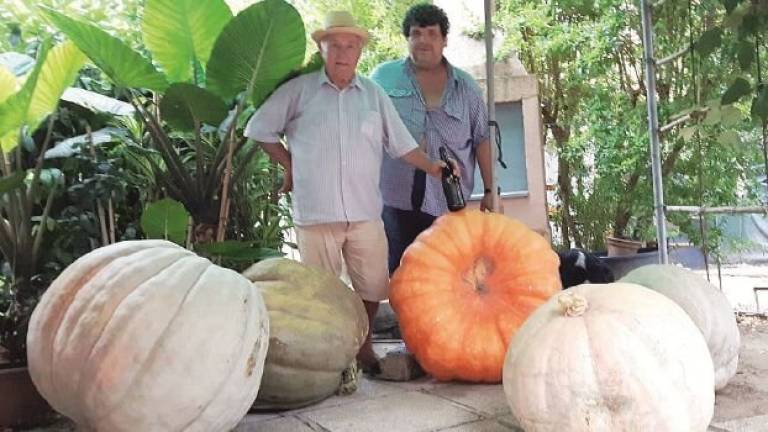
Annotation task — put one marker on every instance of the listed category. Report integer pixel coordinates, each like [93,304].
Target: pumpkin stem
[572,305]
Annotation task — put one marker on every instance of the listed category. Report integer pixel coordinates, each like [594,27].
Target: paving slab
[488,399]
[480,426]
[366,389]
[413,411]
[750,424]
[276,424]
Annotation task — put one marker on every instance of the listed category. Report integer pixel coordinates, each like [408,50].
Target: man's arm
[280,155]
[484,162]
[420,160]
[277,153]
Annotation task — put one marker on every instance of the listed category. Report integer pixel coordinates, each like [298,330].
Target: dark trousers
[402,227]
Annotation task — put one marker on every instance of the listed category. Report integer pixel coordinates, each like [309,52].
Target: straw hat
[340,22]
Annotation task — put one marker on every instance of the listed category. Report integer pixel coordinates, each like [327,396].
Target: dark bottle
[451,185]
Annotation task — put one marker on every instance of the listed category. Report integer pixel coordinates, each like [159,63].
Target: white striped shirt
[336,139]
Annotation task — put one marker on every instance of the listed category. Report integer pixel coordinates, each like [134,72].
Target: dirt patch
[747,393]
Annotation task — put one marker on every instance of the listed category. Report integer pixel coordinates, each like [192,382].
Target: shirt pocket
[409,109]
[370,126]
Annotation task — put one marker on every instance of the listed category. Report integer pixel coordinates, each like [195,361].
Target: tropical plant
[193,107]
[25,195]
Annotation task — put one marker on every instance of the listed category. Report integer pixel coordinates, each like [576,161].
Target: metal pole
[489,62]
[653,130]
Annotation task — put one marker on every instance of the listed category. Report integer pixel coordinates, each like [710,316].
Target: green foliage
[589,63]
[166,219]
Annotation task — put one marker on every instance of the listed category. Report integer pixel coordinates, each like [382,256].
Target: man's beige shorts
[363,246]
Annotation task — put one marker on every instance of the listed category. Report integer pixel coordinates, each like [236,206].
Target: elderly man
[337,126]
[442,106]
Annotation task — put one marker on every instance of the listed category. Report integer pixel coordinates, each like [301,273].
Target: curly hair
[424,15]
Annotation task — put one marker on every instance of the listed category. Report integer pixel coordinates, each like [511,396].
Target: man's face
[425,45]
[341,52]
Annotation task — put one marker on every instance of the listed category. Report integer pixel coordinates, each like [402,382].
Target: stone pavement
[423,405]
[377,406]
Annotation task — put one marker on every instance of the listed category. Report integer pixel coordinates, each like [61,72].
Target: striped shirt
[460,124]
[337,139]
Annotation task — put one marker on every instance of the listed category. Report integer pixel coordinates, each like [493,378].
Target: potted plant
[26,196]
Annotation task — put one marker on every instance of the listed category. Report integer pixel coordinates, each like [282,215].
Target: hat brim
[318,35]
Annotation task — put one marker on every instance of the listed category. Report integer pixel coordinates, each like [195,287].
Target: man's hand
[287,182]
[486,204]
[436,168]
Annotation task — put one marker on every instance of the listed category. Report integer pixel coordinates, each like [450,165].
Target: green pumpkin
[317,325]
[706,306]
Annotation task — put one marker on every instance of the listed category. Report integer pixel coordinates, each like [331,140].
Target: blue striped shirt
[460,124]
[337,139]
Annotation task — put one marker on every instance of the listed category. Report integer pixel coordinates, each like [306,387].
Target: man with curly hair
[441,105]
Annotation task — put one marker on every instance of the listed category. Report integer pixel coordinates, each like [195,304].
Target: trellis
[654,131]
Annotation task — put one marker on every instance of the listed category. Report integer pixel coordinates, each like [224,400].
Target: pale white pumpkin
[609,357]
[705,304]
[147,336]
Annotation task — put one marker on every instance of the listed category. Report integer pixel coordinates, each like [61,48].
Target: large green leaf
[760,105]
[165,219]
[59,71]
[8,84]
[709,41]
[54,71]
[180,33]
[256,50]
[121,63]
[97,102]
[13,111]
[184,103]
[736,91]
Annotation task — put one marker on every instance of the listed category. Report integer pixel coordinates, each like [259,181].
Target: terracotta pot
[621,247]
[22,405]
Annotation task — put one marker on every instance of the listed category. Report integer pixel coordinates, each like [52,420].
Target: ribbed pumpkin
[463,288]
[705,304]
[609,357]
[317,325]
[147,336]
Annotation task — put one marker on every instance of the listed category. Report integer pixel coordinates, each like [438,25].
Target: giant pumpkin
[147,336]
[463,288]
[706,305]
[609,357]
[317,325]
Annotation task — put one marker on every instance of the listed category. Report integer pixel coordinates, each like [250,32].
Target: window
[514,179]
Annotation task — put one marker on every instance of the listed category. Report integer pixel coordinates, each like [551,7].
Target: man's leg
[396,236]
[320,246]
[365,252]
[402,227]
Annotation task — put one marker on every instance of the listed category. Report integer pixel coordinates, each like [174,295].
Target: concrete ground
[425,405]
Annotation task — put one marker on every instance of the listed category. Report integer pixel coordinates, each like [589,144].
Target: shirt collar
[451,104]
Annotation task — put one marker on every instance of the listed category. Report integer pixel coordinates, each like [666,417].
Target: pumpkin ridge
[648,352]
[47,318]
[78,387]
[242,346]
[155,347]
[647,348]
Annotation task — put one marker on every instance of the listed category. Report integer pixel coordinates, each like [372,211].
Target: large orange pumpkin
[465,286]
